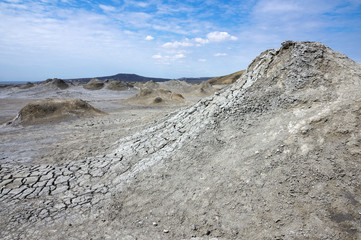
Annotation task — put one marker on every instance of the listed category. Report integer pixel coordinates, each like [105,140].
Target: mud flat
[73,139]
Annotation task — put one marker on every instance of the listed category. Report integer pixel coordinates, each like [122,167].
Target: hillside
[276,155]
[227,79]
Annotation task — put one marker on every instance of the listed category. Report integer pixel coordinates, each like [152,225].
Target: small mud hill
[119,85]
[27,85]
[205,89]
[178,86]
[202,89]
[94,84]
[54,110]
[55,83]
[156,97]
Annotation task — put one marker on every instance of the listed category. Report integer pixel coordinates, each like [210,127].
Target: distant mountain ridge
[127,77]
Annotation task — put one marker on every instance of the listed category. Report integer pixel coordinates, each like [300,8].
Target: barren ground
[75,139]
[276,155]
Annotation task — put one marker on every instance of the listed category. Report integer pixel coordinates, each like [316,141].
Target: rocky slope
[276,155]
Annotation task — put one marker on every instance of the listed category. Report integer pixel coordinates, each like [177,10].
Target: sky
[162,38]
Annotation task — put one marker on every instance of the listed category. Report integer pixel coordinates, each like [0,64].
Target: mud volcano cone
[94,84]
[54,110]
[276,155]
[160,97]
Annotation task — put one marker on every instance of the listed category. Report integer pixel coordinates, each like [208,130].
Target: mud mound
[184,88]
[202,89]
[156,97]
[26,85]
[279,148]
[119,85]
[94,84]
[54,110]
[205,89]
[177,86]
[56,83]
[227,79]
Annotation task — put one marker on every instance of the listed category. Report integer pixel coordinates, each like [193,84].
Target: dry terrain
[276,155]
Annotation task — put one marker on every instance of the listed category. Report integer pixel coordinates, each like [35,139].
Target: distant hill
[227,79]
[126,77]
[122,77]
[194,80]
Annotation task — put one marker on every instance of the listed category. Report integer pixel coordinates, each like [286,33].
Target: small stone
[73,168]
[194,227]
[155,224]
[166,231]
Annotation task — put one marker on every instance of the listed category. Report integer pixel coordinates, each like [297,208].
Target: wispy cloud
[220,54]
[107,8]
[279,7]
[220,37]
[168,59]
[149,38]
[185,43]
[211,38]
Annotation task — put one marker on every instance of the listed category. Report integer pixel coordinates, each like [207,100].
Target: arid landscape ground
[274,155]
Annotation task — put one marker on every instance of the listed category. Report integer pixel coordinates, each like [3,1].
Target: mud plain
[74,139]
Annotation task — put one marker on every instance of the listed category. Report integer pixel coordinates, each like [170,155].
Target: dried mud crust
[74,140]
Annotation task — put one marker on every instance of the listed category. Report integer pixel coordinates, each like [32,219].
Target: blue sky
[158,38]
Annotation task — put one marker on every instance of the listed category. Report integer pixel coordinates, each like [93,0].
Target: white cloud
[168,59]
[142,4]
[157,56]
[220,37]
[13,1]
[202,60]
[137,4]
[220,54]
[149,38]
[278,7]
[211,37]
[201,40]
[107,8]
[179,56]
[176,44]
